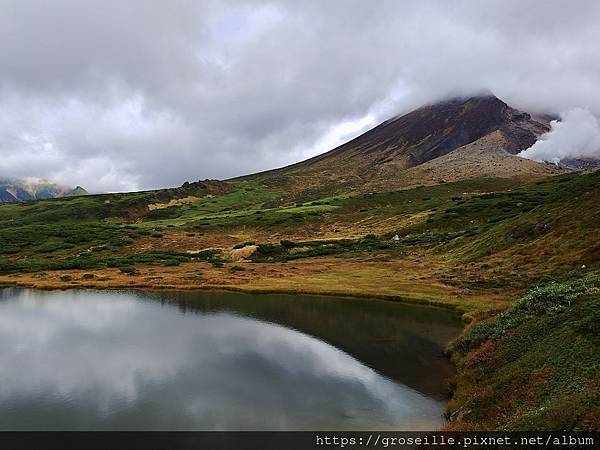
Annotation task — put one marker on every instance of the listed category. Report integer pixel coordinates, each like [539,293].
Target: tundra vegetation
[474,245]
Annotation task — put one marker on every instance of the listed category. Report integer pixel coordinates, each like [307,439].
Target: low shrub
[129,270]
[267,249]
[549,298]
[287,244]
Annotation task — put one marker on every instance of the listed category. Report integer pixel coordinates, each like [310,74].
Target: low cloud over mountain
[576,135]
[119,95]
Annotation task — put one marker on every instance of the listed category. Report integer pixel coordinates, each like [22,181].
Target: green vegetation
[97,261]
[535,365]
[288,250]
[532,366]
[466,221]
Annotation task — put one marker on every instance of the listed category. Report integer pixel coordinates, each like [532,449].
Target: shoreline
[395,281]
[465,315]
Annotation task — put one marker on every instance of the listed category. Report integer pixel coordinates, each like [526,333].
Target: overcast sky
[128,94]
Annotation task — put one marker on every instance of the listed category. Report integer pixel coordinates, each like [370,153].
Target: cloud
[156,93]
[342,133]
[577,135]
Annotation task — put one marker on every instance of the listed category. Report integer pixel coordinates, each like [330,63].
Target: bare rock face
[214,187]
[433,131]
[581,163]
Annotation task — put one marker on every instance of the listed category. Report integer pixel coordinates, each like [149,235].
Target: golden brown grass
[408,279]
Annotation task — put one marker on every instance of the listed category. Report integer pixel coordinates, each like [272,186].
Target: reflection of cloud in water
[108,360]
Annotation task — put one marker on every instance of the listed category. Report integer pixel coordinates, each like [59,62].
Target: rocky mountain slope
[21,190]
[423,138]
[487,157]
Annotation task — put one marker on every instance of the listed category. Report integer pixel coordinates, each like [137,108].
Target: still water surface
[113,360]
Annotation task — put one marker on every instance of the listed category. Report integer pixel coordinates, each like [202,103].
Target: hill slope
[421,136]
[486,157]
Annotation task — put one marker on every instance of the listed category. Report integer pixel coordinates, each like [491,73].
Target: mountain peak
[422,135]
[482,99]
[484,93]
[76,192]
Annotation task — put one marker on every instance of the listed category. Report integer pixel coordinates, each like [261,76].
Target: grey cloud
[119,95]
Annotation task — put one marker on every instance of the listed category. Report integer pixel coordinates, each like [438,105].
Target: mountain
[482,133]
[580,163]
[22,190]
[76,192]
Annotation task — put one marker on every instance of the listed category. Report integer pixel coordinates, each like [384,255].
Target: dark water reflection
[218,360]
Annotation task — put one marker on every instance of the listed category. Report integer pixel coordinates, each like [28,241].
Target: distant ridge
[22,190]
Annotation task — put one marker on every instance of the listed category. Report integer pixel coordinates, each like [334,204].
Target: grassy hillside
[475,245]
[486,236]
[536,365]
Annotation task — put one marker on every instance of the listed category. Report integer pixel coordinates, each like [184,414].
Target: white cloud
[341,133]
[577,135]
